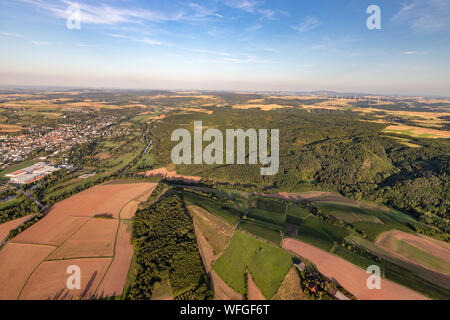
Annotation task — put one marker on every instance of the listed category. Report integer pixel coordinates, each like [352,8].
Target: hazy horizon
[231,45]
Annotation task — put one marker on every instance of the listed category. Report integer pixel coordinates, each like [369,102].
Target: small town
[50,140]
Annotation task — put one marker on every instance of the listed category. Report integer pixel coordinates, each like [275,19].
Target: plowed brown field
[351,277]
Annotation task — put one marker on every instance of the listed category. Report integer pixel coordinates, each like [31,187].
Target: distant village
[17,148]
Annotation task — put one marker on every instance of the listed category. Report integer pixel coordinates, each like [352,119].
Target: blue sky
[229,44]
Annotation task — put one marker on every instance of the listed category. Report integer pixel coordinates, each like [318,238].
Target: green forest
[331,151]
[166,249]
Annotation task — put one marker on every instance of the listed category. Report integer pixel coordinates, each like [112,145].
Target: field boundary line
[32,272]
[114,248]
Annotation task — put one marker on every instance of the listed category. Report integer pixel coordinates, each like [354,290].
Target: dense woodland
[166,249]
[331,151]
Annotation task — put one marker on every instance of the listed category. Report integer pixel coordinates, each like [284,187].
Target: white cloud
[40,43]
[202,12]
[310,23]
[141,40]
[254,27]
[11,34]
[84,45]
[109,15]
[252,6]
[246,5]
[425,16]
[170,45]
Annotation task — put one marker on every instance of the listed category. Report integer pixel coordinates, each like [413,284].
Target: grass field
[265,233]
[267,264]
[409,251]
[268,216]
[296,215]
[321,234]
[395,273]
[348,213]
[431,254]
[373,230]
[227,214]
[270,205]
[11,203]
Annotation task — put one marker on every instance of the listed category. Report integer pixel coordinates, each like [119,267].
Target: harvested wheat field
[205,248]
[129,210]
[102,199]
[8,128]
[70,231]
[253,291]
[418,131]
[146,194]
[290,289]
[426,252]
[94,239]
[6,227]
[48,281]
[222,291]
[170,175]
[216,232]
[17,261]
[264,107]
[311,196]
[349,276]
[114,281]
[52,230]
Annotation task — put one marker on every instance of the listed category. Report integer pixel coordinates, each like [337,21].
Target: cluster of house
[313,286]
[16,148]
[32,173]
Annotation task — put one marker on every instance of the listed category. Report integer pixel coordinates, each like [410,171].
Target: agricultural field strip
[77,229]
[56,247]
[115,238]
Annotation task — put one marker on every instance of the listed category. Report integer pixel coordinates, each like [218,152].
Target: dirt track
[349,276]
